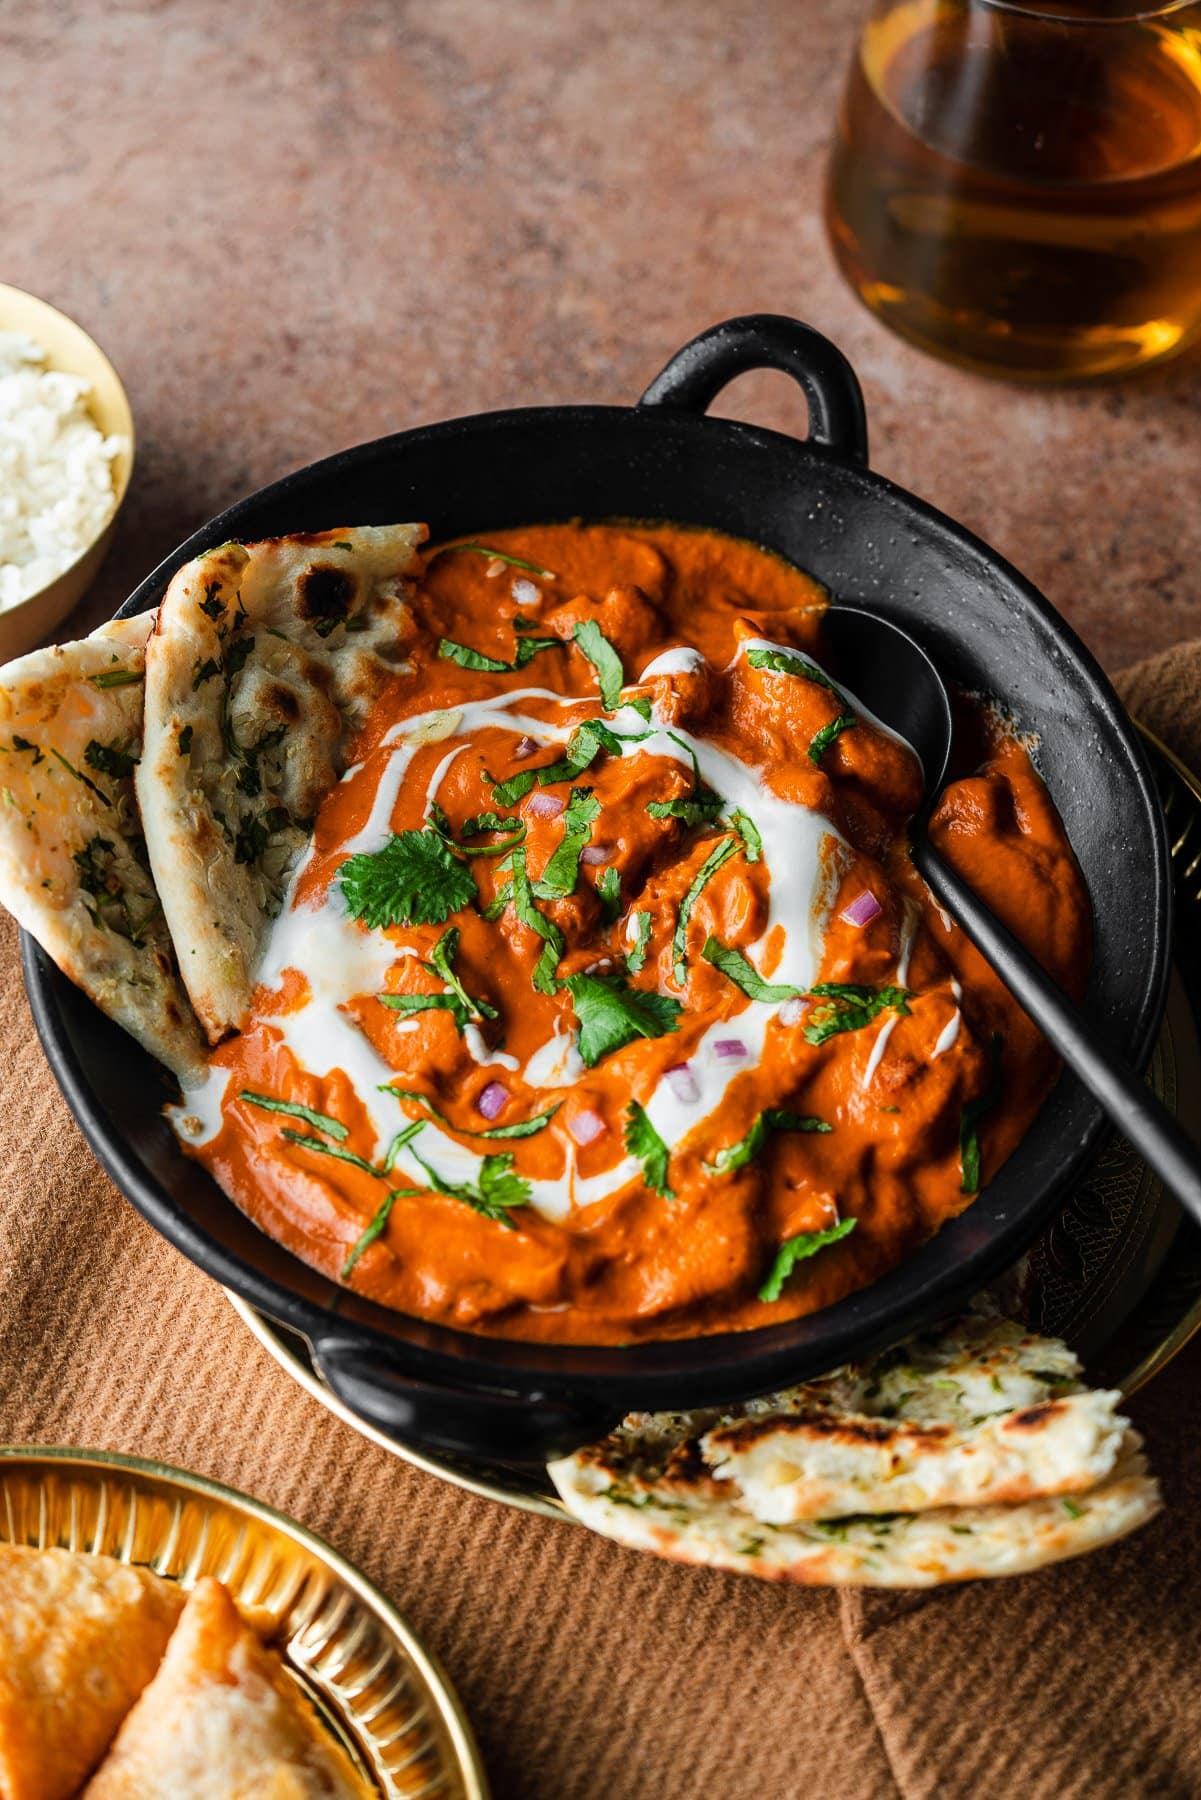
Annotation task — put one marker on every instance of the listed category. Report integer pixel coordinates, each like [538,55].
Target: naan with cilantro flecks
[265,659]
[73,864]
[970,1451]
[222,1720]
[80,1637]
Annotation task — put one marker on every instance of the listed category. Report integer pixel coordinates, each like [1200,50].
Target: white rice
[56,470]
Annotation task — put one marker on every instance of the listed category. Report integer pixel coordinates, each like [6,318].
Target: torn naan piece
[699,1521]
[264,662]
[73,864]
[80,1637]
[979,1413]
[970,1450]
[222,1720]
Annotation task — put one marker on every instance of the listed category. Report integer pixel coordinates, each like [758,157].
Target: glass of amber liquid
[1016,184]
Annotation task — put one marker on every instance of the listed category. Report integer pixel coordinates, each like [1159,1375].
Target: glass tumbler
[1016,184]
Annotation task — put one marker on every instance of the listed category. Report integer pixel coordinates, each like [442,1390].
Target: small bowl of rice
[66,454]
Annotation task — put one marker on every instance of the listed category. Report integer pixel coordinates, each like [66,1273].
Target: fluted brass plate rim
[378,1690]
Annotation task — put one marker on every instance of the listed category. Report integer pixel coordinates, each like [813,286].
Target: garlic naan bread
[969,1451]
[80,1637]
[263,663]
[222,1721]
[73,863]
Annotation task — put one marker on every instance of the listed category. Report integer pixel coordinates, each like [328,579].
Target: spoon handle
[1131,1105]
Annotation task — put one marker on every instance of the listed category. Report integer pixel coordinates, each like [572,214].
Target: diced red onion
[792,1012]
[595,853]
[525,593]
[682,1082]
[585,1127]
[493,1098]
[546,806]
[862,909]
[730,1049]
[524,747]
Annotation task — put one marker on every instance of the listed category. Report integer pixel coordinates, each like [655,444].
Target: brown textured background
[297,225]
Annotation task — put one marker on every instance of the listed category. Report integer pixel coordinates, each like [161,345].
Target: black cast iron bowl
[815,502]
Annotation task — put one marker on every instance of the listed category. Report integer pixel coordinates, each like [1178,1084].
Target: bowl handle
[696,375]
[501,1427]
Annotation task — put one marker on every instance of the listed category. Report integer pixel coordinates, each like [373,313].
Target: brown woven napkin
[589,1670]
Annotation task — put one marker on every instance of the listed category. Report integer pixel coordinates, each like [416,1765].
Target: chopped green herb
[636,954]
[335,1150]
[717,857]
[24,745]
[494,1194]
[643,1142]
[642,705]
[583,748]
[108,678]
[735,967]
[319,1121]
[489,821]
[403,1137]
[86,780]
[795,1250]
[748,831]
[1072,1510]
[610,1014]
[413,880]
[736,1156]
[204,671]
[791,662]
[553,941]
[604,659]
[562,872]
[109,759]
[514,562]
[472,659]
[415,1003]
[851,1006]
[608,887]
[523,1129]
[442,958]
[970,1117]
[376,1228]
[825,737]
[530,647]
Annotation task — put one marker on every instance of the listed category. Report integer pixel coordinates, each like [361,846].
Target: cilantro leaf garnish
[604,658]
[319,1121]
[717,857]
[970,1117]
[442,958]
[522,1129]
[561,873]
[376,1228]
[24,744]
[850,1006]
[584,746]
[608,888]
[825,737]
[790,662]
[782,662]
[514,562]
[735,967]
[496,1191]
[610,1014]
[696,808]
[513,829]
[413,880]
[109,759]
[467,658]
[748,831]
[795,1250]
[489,821]
[553,941]
[736,1156]
[335,1150]
[108,678]
[414,1003]
[636,954]
[643,1141]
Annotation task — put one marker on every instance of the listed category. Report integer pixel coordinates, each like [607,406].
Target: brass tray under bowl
[1100,1276]
[376,1689]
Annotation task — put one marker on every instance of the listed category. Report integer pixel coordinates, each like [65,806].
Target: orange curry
[607,1004]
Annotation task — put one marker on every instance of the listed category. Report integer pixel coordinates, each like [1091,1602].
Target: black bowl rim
[662,1371]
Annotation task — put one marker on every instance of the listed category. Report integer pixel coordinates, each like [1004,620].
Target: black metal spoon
[893,676]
